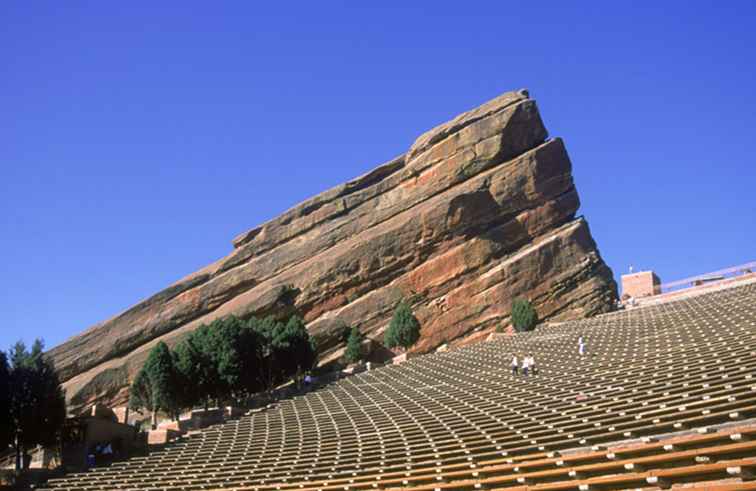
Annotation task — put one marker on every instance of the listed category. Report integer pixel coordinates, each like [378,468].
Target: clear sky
[137,140]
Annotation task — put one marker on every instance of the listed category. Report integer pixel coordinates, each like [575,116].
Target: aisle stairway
[663,398]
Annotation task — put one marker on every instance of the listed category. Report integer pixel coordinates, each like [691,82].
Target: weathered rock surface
[479,210]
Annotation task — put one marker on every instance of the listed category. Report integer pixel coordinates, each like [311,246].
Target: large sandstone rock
[479,210]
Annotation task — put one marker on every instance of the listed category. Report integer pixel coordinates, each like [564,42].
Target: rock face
[479,210]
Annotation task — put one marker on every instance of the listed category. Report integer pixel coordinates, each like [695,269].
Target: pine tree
[354,345]
[248,345]
[37,401]
[161,373]
[217,362]
[404,329]
[202,368]
[154,388]
[268,363]
[283,350]
[189,367]
[5,415]
[524,317]
[232,346]
[140,392]
[296,350]
[221,349]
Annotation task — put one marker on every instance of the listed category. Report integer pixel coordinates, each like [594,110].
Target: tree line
[228,359]
[233,358]
[32,402]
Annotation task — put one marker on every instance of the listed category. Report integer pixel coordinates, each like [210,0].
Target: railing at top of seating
[702,279]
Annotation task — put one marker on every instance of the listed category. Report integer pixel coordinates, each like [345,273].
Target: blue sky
[137,140]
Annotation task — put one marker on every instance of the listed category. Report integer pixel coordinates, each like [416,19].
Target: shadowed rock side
[479,210]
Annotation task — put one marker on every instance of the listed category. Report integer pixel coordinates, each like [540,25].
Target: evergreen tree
[203,371]
[140,393]
[190,367]
[295,347]
[268,369]
[5,415]
[162,378]
[354,345]
[248,346]
[37,401]
[220,348]
[217,362]
[231,359]
[155,386]
[283,350]
[404,329]
[524,317]
[232,347]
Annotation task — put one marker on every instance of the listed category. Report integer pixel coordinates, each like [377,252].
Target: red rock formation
[479,210]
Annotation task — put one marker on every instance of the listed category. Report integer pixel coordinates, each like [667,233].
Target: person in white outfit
[532,365]
[581,346]
[525,365]
[515,365]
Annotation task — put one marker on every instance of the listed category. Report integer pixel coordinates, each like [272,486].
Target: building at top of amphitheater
[646,286]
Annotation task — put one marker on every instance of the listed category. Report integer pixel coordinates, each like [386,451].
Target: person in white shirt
[515,365]
[525,365]
[581,346]
[532,365]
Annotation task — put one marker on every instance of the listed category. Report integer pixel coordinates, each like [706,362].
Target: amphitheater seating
[663,398]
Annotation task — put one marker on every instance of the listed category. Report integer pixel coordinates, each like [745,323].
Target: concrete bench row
[687,365]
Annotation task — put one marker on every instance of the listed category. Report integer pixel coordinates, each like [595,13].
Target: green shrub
[404,329]
[354,345]
[524,317]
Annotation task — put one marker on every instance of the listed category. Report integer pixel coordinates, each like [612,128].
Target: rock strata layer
[479,210]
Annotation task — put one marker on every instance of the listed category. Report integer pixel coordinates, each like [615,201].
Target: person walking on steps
[532,365]
[581,346]
[525,365]
[515,365]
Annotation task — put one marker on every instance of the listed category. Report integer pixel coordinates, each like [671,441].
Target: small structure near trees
[98,434]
